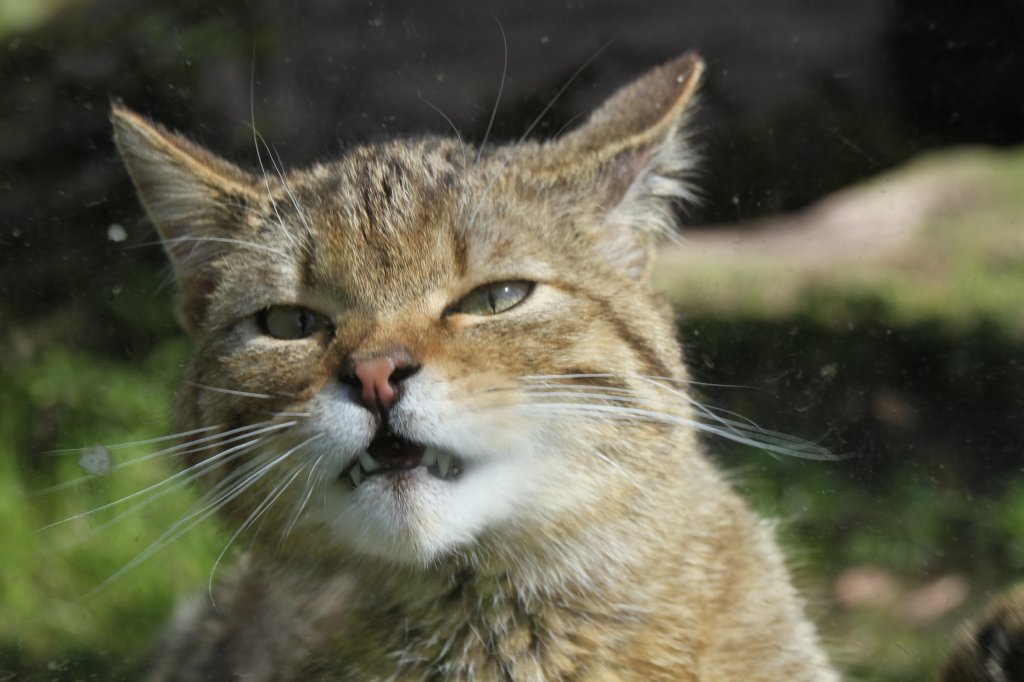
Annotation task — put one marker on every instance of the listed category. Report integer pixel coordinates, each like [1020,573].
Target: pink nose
[381,377]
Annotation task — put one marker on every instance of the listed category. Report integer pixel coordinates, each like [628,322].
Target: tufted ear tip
[193,197]
[632,157]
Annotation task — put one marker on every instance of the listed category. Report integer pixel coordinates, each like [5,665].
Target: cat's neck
[477,624]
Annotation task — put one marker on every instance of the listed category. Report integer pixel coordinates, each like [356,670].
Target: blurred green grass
[57,618]
[17,16]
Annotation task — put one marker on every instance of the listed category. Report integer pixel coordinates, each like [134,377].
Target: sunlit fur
[587,537]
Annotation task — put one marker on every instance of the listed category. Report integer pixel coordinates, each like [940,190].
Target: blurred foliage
[58,616]
[17,16]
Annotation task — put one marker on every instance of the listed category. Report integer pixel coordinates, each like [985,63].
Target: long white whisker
[237,242]
[259,157]
[501,89]
[443,115]
[209,461]
[230,391]
[182,449]
[772,441]
[263,506]
[310,485]
[657,381]
[498,171]
[194,472]
[275,158]
[138,443]
[176,530]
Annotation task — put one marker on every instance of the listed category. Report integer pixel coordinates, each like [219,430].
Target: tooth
[429,457]
[368,463]
[357,476]
[444,463]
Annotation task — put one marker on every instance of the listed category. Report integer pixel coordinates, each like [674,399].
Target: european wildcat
[449,395]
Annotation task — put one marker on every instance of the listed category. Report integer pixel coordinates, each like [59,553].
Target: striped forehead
[385,228]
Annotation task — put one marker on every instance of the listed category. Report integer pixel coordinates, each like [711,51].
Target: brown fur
[620,552]
[991,650]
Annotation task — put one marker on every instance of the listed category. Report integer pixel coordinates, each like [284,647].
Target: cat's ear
[194,198]
[634,150]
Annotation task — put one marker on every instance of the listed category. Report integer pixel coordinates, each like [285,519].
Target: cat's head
[422,348]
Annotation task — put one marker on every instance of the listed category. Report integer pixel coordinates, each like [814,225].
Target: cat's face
[415,349]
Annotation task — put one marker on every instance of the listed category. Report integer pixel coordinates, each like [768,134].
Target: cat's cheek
[476,418]
[343,429]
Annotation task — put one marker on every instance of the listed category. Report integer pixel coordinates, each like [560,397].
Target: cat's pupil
[289,322]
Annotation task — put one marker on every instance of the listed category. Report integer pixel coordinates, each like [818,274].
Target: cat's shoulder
[992,649]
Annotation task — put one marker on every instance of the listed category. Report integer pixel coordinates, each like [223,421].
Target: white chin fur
[420,518]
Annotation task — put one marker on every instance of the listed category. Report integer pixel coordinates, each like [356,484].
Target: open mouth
[389,454]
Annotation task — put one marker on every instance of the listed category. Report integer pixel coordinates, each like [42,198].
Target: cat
[440,381]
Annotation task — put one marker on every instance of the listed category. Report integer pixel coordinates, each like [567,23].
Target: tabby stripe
[648,356]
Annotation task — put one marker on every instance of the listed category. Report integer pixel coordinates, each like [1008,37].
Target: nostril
[350,379]
[402,372]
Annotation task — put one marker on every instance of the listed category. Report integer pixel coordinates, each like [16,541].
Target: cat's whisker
[265,504]
[310,487]
[231,391]
[658,383]
[226,240]
[137,443]
[501,89]
[278,169]
[257,513]
[259,158]
[666,384]
[175,531]
[500,169]
[188,474]
[745,424]
[196,472]
[451,123]
[194,518]
[771,441]
[692,382]
[213,441]
[275,159]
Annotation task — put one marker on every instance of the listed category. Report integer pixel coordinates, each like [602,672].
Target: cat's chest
[470,634]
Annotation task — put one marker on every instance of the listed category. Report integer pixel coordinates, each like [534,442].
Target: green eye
[491,299]
[290,322]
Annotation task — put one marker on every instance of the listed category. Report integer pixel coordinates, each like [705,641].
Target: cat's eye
[494,298]
[290,322]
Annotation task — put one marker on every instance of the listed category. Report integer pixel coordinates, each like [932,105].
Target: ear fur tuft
[634,148]
[191,195]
